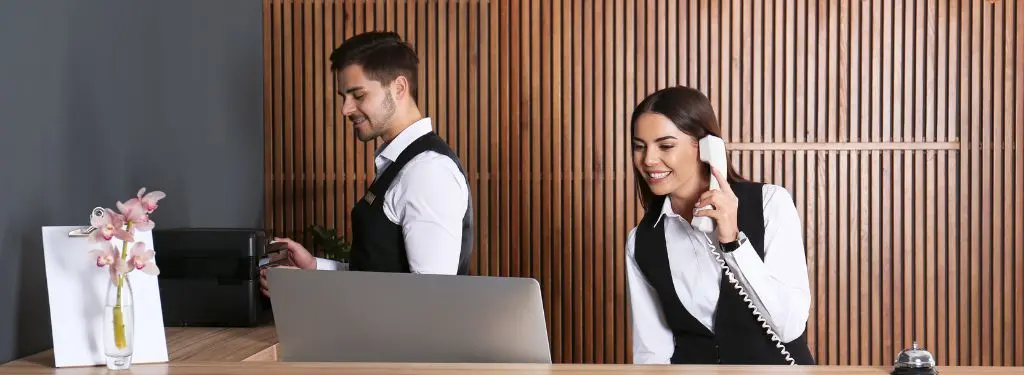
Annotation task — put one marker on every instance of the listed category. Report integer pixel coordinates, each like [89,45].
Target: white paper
[77,293]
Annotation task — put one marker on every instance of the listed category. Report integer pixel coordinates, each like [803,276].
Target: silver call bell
[914,361]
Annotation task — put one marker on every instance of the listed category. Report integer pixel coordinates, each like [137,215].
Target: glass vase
[119,324]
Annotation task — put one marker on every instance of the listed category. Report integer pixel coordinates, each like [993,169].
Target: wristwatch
[729,247]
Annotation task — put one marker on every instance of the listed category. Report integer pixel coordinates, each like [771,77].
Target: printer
[209,277]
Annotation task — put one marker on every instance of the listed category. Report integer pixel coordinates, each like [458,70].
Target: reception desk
[253,351]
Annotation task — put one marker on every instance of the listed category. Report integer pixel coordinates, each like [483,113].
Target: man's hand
[297,258]
[298,255]
[264,285]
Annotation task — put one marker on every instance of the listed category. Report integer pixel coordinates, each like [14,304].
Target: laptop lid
[348,316]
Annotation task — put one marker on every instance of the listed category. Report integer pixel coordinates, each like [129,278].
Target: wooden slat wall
[897,125]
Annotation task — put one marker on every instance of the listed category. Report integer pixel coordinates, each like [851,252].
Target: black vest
[378,244]
[738,338]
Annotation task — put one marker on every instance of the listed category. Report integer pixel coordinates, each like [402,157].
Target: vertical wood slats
[896,125]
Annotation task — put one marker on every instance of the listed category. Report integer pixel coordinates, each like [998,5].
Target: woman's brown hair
[692,113]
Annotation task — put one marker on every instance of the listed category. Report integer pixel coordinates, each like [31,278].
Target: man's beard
[380,124]
[388,107]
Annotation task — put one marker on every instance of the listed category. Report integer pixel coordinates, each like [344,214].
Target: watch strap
[729,247]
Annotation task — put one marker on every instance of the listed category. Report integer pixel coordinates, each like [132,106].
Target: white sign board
[77,293]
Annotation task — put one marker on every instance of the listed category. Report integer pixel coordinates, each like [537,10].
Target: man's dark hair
[382,55]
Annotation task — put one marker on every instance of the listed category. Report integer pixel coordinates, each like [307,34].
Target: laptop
[349,316]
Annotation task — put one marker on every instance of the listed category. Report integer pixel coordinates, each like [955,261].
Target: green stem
[119,337]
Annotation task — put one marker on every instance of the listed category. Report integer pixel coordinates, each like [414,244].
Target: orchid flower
[137,210]
[107,256]
[148,201]
[139,259]
[108,226]
[135,213]
[133,216]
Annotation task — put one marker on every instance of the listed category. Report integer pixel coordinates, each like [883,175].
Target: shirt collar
[666,209]
[389,152]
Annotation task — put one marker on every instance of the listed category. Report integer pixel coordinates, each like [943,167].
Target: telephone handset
[712,151]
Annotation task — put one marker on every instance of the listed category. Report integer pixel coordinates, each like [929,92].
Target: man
[416,217]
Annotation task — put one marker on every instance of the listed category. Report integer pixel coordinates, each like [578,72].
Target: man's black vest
[738,338]
[378,244]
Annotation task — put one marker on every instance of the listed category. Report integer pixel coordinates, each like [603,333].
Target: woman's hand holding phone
[724,204]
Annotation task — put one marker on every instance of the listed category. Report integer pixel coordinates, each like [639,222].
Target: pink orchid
[107,256]
[140,258]
[135,213]
[108,226]
[148,201]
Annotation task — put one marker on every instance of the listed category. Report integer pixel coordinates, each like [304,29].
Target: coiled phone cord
[750,303]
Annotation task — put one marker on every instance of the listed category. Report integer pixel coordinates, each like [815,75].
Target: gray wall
[99,98]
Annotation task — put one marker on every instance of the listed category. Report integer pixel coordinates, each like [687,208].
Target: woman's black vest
[737,338]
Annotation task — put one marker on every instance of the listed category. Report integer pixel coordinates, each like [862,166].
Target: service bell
[914,361]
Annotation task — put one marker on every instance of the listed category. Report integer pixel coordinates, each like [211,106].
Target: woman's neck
[686,196]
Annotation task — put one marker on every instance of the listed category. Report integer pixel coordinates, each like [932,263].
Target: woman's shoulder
[630,242]
[771,192]
[777,202]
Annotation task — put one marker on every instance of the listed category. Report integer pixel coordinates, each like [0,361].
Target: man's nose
[347,108]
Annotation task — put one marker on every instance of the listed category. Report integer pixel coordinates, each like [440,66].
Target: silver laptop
[346,316]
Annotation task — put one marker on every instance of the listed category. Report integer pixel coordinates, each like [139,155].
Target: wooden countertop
[253,351]
[259,368]
[195,344]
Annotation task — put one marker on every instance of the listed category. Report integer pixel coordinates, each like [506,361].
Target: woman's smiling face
[666,157]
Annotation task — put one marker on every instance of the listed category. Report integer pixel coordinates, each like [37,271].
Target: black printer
[209,277]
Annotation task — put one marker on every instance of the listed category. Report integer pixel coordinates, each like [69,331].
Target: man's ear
[401,87]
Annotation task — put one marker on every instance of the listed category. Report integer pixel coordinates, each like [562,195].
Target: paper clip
[85,231]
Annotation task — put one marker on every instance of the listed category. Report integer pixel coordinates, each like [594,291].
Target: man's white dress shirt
[780,280]
[428,198]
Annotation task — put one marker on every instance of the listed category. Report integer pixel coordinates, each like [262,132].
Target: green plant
[328,241]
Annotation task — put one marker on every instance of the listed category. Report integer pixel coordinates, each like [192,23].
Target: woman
[683,309]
